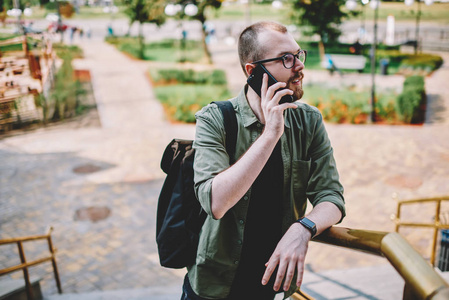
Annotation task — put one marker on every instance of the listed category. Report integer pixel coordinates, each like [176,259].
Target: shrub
[425,62]
[410,104]
[172,76]
[182,101]
[63,50]
[339,106]
[183,92]
[350,105]
[168,50]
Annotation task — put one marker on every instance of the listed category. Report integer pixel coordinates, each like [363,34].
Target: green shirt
[310,172]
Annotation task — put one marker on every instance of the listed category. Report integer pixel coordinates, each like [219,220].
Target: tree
[202,5]
[145,11]
[323,17]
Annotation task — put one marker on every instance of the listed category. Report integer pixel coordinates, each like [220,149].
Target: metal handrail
[421,280]
[436,225]
[25,265]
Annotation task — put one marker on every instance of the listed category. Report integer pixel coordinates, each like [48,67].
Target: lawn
[437,12]
[351,105]
[182,101]
[232,11]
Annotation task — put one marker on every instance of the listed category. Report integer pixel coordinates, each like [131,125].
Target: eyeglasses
[288,59]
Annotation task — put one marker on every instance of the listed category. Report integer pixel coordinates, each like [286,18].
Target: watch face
[308,223]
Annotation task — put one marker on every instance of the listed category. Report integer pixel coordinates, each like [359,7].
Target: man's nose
[298,66]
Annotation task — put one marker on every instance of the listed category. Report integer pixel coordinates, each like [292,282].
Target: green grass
[349,105]
[85,12]
[174,54]
[165,51]
[437,12]
[182,101]
[238,11]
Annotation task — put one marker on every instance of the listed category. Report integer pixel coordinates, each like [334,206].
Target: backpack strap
[230,124]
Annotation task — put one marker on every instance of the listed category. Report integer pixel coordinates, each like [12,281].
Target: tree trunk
[206,49]
[141,40]
[321,48]
[128,33]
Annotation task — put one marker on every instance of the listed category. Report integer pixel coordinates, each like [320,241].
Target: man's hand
[273,112]
[289,255]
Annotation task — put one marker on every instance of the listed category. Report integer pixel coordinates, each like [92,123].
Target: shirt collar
[247,114]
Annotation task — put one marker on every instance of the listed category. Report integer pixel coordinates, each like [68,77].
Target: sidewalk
[39,185]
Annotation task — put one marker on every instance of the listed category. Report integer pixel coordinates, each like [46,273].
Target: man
[252,244]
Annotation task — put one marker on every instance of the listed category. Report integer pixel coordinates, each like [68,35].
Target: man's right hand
[273,112]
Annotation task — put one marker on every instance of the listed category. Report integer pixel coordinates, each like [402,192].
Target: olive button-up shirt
[309,169]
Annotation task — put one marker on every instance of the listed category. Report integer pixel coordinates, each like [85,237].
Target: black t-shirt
[262,232]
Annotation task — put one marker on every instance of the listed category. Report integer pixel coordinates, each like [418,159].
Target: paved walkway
[39,186]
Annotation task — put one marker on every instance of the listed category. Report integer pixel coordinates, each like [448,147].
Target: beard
[298,92]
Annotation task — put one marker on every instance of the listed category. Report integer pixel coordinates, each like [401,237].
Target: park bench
[338,62]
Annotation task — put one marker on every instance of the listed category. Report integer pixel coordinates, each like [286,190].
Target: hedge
[411,103]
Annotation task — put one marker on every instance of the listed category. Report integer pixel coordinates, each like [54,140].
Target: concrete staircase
[370,283]
[151,293]
[15,289]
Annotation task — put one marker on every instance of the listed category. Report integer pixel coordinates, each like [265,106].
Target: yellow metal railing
[421,280]
[26,264]
[437,225]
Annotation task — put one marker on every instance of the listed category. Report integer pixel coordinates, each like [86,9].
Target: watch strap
[308,224]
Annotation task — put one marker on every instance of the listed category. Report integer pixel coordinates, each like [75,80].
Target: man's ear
[249,69]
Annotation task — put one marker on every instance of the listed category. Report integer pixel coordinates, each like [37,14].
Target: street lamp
[190,10]
[374,4]
[17,13]
[418,16]
[276,4]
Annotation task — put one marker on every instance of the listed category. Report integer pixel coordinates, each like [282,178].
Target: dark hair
[248,47]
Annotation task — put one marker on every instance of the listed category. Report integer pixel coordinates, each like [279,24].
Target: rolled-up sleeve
[324,183]
[211,157]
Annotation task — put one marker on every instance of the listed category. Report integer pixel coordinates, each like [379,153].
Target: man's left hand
[289,255]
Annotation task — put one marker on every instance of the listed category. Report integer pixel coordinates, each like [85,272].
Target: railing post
[398,212]
[409,294]
[25,272]
[435,232]
[53,261]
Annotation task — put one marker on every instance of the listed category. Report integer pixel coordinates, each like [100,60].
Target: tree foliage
[322,17]
[145,11]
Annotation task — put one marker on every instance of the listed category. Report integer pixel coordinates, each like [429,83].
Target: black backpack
[179,213]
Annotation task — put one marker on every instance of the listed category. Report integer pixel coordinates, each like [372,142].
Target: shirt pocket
[300,178]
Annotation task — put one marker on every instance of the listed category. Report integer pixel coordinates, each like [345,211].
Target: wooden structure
[27,264]
[24,74]
[440,219]
[421,280]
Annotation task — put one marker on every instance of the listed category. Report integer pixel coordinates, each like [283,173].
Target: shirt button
[239,242]
[245,198]
[241,222]
[258,125]
[236,262]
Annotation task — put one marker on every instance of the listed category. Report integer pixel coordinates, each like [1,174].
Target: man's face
[276,45]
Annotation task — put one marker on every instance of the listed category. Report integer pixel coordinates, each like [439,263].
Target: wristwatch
[308,224]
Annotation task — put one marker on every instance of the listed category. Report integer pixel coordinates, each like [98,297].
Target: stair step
[15,289]
[151,293]
[378,282]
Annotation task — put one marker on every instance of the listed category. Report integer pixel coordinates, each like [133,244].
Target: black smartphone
[255,82]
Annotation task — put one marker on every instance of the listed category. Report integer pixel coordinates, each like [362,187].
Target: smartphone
[255,82]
